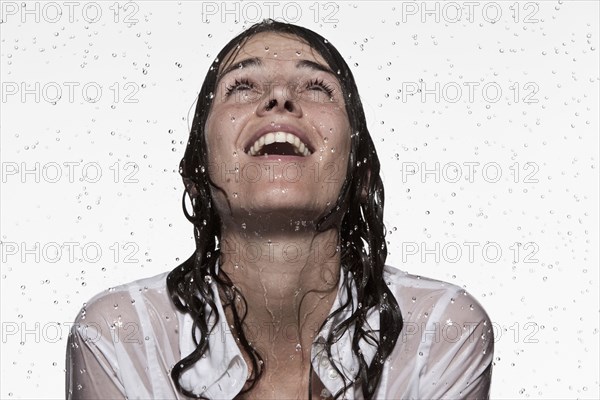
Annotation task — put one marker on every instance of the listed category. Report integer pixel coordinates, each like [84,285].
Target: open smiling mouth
[279,143]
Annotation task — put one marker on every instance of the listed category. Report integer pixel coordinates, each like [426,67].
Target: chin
[284,204]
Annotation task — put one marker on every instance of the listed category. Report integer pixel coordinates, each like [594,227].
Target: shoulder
[122,303]
[116,338]
[447,340]
[420,297]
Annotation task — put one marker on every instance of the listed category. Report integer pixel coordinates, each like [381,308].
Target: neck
[288,277]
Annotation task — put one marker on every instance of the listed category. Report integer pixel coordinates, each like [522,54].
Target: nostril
[289,106]
[272,103]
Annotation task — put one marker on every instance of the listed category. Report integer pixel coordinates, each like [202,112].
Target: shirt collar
[223,371]
[344,358]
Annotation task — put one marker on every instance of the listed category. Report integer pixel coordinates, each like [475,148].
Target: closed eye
[242,84]
[320,85]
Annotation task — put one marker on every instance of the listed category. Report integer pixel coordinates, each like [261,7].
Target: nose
[280,99]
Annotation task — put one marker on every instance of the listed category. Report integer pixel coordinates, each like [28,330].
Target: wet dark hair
[358,217]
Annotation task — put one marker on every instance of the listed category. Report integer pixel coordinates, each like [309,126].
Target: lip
[280,128]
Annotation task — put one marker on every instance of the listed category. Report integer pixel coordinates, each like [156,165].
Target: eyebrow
[256,62]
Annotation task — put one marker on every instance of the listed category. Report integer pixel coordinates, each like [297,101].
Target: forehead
[274,46]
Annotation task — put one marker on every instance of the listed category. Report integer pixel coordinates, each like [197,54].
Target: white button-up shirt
[127,339]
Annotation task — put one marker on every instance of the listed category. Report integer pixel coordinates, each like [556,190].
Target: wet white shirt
[126,340]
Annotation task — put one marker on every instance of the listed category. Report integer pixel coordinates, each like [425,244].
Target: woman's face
[278,134]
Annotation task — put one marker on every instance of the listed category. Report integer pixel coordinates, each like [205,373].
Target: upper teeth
[279,137]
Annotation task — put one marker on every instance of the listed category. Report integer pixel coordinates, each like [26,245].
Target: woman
[287,294]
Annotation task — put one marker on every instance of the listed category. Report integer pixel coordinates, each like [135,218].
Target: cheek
[334,164]
[223,155]
[224,125]
[215,148]
[337,140]
[216,135]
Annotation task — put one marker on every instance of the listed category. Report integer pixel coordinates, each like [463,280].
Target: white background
[545,311]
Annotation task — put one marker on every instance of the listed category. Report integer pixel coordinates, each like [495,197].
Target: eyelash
[319,82]
[237,83]
[246,82]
